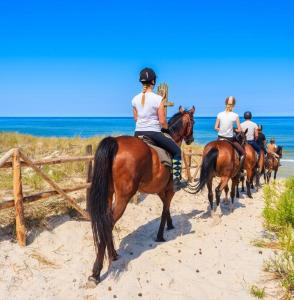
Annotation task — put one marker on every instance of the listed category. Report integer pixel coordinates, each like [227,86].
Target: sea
[281,128]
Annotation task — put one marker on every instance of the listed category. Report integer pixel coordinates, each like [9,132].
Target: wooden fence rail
[16,159]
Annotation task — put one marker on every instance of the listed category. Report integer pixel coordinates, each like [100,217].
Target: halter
[190,126]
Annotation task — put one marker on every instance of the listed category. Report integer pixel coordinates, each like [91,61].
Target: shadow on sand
[143,239]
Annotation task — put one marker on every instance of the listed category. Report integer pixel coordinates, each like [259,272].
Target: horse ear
[246,131]
[192,110]
[181,110]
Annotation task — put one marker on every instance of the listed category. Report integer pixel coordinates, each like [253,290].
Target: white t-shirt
[227,119]
[147,114]
[251,126]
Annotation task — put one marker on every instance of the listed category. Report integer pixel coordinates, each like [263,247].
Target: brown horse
[261,168]
[220,159]
[123,166]
[272,164]
[250,166]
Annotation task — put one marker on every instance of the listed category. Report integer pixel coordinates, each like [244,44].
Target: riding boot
[177,177]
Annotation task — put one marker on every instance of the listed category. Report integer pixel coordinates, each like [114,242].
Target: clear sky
[82,58]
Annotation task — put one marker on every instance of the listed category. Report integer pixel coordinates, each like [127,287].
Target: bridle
[188,138]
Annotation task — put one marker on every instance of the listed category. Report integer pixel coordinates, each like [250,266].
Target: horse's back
[133,152]
[227,156]
[137,163]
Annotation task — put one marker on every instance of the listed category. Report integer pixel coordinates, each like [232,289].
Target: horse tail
[207,168]
[101,217]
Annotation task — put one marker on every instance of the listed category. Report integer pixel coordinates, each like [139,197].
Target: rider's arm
[216,126]
[135,113]
[239,129]
[256,133]
[162,116]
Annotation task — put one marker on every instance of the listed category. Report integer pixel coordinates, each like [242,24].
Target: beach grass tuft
[279,218]
[257,292]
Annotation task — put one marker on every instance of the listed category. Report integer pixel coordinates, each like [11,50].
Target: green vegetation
[257,292]
[279,218]
[40,148]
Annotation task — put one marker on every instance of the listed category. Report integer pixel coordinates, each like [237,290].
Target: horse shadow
[142,239]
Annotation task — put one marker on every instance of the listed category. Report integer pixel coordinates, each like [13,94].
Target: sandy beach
[203,257]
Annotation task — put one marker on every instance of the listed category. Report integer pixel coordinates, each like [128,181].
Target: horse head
[280,151]
[241,137]
[181,125]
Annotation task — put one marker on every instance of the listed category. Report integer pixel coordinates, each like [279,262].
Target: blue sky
[82,58]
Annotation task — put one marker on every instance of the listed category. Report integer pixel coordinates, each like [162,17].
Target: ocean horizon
[279,127]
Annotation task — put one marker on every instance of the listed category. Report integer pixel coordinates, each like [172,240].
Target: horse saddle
[164,156]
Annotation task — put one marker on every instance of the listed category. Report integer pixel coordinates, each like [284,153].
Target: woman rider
[224,126]
[149,114]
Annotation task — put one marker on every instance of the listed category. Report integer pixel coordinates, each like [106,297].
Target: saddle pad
[164,157]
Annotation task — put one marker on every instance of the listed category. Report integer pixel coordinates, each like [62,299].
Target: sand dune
[203,257]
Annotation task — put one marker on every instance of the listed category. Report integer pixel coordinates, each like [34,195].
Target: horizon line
[130,116]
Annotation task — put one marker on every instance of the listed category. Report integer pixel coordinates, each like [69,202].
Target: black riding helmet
[247,115]
[147,76]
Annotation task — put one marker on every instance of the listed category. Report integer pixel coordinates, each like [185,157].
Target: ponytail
[145,86]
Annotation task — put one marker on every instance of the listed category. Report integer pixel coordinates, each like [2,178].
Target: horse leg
[242,182]
[219,188]
[275,173]
[237,187]
[226,192]
[98,265]
[248,182]
[165,197]
[269,176]
[168,193]
[257,179]
[210,193]
[233,189]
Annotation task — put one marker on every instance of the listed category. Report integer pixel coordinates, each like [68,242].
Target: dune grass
[257,292]
[39,148]
[278,216]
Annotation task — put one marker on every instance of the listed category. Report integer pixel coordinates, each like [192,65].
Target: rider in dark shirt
[261,140]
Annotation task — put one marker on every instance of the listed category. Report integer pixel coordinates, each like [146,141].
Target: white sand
[201,259]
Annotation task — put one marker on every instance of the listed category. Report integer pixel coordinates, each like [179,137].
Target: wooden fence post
[18,199]
[89,151]
[187,162]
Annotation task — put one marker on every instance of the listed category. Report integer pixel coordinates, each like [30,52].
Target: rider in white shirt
[224,125]
[252,131]
[149,114]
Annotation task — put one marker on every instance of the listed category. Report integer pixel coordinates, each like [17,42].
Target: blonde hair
[231,98]
[145,86]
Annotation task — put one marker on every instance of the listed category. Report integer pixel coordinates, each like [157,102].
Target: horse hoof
[160,240]
[171,227]
[94,279]
[250,196]
[115,257]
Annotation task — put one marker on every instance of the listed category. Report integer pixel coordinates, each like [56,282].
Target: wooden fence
[16,159]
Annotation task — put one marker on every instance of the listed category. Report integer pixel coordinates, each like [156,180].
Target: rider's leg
[241,152]
[170,145]
[255,146]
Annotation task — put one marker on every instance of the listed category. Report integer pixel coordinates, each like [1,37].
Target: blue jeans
[255,146]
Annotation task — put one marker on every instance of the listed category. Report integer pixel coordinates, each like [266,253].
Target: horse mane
[175,122]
